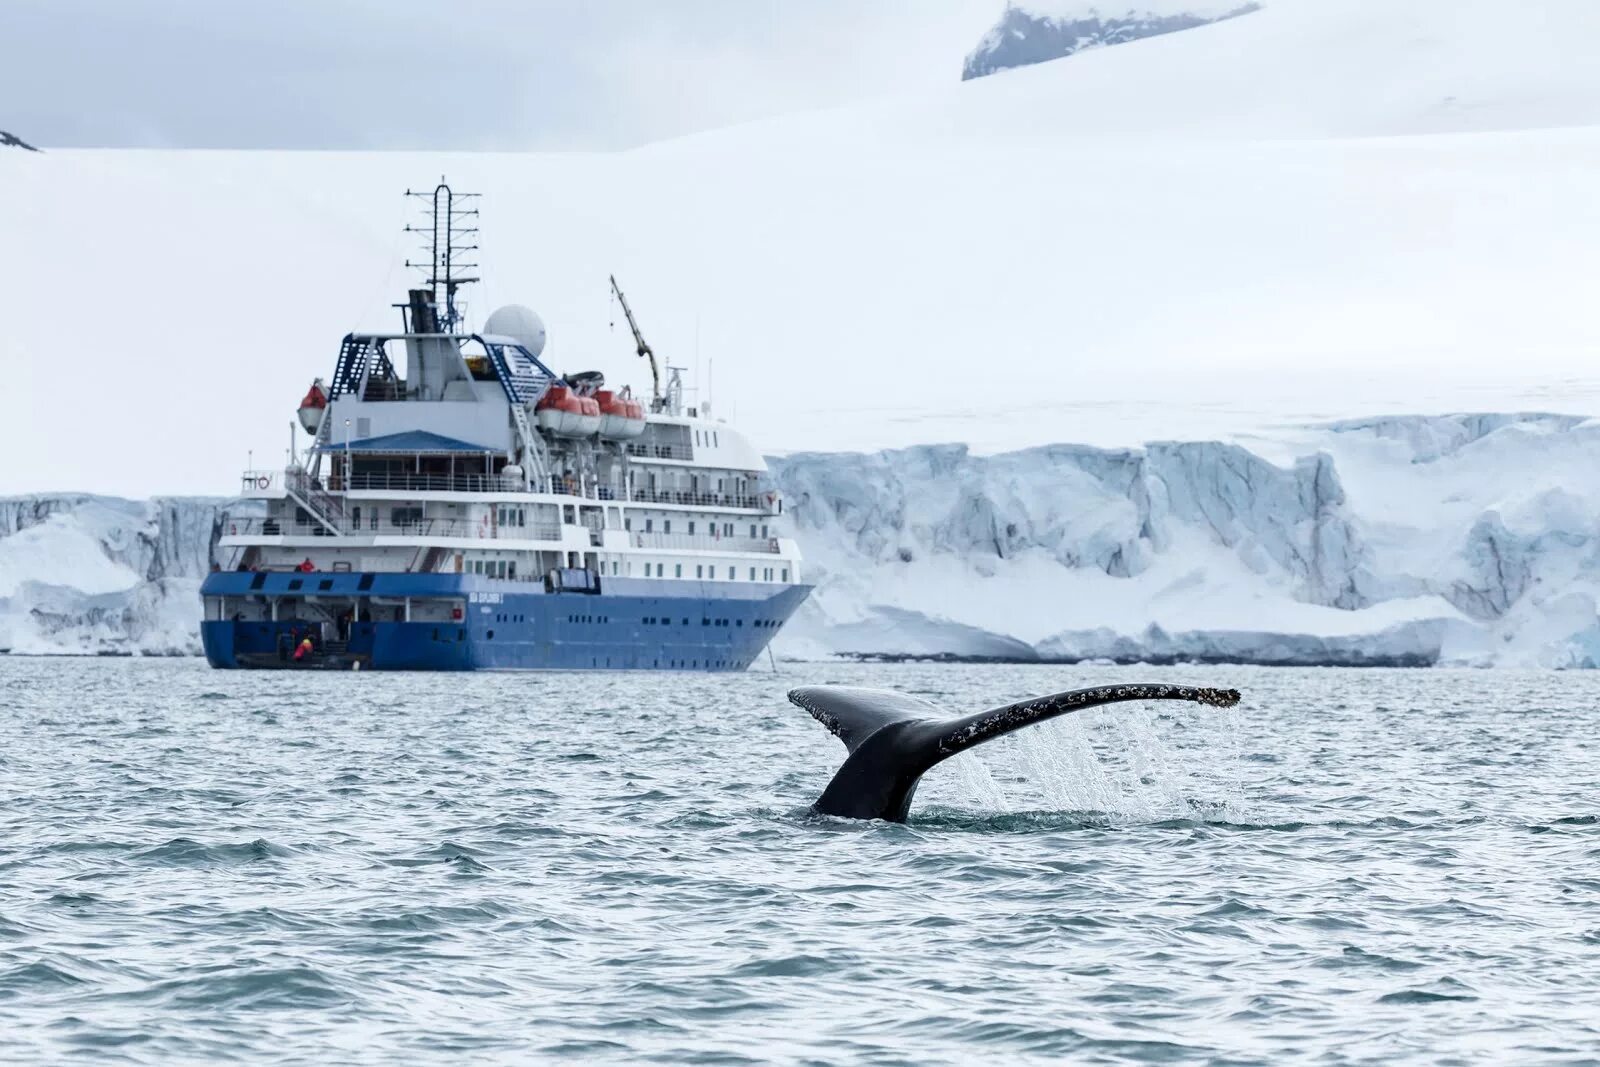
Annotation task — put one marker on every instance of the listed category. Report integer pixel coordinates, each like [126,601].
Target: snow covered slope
[1325,209]
[89,574]
[1470,539]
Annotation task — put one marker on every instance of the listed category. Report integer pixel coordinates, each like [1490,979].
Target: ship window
[294,583]
[714,439]
[365,583]
[491,635]
[259,580]
[511,569]
[727,529]
[705,622]
[355,517]
[326,583]
[764,531]
[691,526]
[677,570]
[666,525]
[786,574]
[627,524]
[699,568]
[649,525]
[738,622]
[730,574]
[752,531]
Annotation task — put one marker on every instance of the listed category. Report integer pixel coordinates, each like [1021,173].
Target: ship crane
[656,402]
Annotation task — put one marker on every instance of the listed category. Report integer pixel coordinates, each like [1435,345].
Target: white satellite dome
[518,322]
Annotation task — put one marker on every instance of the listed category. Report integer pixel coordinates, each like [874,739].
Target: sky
[546,75]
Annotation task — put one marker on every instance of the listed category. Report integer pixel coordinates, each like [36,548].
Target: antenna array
[450,236]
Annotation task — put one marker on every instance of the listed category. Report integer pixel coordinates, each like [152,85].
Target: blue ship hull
[631,624]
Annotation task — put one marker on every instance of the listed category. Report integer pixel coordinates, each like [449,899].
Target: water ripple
[1355,866]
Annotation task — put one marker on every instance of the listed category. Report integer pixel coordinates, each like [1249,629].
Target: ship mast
[449,230]
[656,403]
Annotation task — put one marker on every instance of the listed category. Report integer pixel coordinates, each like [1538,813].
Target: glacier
[97,575]
[1404,540]
[1466,540]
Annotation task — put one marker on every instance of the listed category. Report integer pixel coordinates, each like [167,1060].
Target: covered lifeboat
[564,413]
[313,406]
[621,416]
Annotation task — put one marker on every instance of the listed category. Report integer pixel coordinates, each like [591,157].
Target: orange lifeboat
[621,416]
[564,413]
[313,406]
[588,416]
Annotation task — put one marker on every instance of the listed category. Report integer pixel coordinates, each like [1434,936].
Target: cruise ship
[460,506]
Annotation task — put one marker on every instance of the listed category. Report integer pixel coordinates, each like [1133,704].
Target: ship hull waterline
[488,624]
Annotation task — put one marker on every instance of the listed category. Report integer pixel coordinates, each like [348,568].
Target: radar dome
[520,323]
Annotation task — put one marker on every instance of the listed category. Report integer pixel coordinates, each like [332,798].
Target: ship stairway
[358,358]
[521,374]
[322,506]
[525,381]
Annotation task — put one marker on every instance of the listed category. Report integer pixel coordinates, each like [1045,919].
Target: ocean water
[1379,866]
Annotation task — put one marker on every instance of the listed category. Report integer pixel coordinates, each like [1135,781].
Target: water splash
[1136,766]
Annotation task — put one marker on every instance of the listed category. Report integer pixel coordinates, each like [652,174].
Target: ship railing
[650,450]
[700,499]
[377,526]
[571,487]
[703,542]
[400,481]
[260,481]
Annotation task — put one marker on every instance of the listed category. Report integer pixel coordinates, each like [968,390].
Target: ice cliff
[1464,539]
[92,574]
[1038,32]
[1460,539]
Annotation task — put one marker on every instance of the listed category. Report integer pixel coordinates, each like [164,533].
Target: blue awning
[411,442]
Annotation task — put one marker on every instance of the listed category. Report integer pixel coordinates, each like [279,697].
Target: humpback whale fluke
[894,738]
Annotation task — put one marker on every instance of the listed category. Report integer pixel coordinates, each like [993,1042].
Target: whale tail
[894,739]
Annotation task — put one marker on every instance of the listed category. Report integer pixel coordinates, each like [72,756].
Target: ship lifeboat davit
[566,414]
[621,416]
[313,406]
